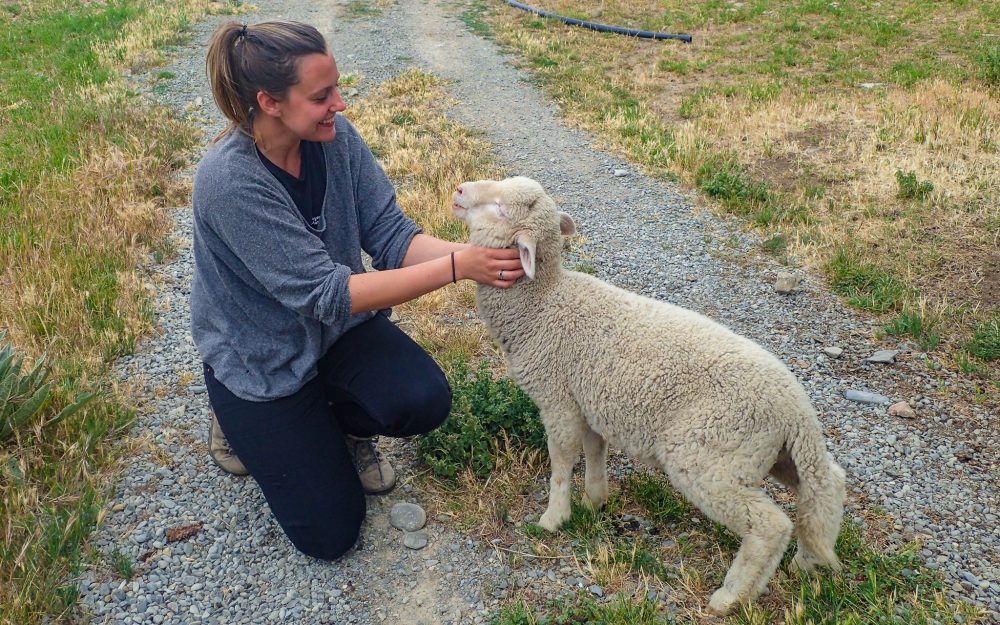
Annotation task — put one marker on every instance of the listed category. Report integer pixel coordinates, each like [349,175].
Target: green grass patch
[660,501]
[362,8]
[42,61]
[916,325]
[584,610]
[473,18]
[985,341]
[122,564]
[865,285]
[484,410]
[877,587]
[988,62]
[724,180]
[775,245]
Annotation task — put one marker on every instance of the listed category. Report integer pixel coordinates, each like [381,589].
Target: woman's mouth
[327,122]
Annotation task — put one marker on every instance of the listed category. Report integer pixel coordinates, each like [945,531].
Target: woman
[302,366]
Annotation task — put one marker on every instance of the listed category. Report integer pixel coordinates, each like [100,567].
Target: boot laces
[366,454]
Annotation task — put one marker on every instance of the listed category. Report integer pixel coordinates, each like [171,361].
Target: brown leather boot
[377,475]
[220,451]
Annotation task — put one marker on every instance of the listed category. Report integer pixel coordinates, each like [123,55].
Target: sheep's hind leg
[763,527]
[595,450]
[564,450]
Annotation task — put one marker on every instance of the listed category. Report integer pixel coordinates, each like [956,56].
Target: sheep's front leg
[564,449]
[595,450]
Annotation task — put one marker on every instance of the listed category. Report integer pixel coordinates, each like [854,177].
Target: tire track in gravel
[643,235]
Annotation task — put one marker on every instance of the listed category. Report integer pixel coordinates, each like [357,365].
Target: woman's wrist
[459,261]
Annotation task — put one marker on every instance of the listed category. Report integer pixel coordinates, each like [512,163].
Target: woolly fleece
[670,387]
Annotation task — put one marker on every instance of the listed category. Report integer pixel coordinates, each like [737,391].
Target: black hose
[604,28]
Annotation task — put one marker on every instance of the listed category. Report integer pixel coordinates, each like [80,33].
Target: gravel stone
[415,540]
[866,397]
[408,517]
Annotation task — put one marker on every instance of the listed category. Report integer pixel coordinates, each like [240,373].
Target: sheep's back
[625,359]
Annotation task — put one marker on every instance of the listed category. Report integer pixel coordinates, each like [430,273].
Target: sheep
[670,387]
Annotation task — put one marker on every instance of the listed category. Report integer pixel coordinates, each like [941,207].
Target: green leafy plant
[484,411]
[910,188]
[23,396]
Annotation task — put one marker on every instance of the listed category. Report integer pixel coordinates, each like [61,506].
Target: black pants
[374,380]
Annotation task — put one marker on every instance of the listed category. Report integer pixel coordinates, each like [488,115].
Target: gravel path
[936,473]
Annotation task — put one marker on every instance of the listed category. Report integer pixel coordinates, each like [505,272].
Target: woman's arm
[424,247]
[381,289]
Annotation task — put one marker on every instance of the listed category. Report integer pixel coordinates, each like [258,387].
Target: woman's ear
[267,104]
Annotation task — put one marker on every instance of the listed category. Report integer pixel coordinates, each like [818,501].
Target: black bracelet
[453,280]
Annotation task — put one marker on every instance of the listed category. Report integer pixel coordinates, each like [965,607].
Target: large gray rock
[408,517]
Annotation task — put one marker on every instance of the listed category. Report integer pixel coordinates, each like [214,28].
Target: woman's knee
[330,538]
[424,408]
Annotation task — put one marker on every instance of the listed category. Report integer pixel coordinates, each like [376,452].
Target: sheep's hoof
[597,500]
[803,562]
[596,506]
[721,603]
[550,521]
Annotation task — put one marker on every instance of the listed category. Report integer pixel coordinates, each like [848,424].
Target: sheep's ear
[566,225]
[500,209]
[526,245]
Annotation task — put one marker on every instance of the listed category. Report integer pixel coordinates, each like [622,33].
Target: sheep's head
[515,211]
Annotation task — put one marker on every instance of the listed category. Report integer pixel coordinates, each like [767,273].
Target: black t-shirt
[308,189]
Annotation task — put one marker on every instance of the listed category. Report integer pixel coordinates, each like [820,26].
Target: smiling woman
[291,326]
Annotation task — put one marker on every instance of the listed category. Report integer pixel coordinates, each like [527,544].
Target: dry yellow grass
[77,238]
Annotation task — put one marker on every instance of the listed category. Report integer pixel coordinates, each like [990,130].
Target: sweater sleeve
[386,232]
[256,233]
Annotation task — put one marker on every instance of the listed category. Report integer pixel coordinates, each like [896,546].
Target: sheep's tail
[820,501]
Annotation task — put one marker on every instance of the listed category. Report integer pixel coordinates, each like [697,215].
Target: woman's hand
[490,266]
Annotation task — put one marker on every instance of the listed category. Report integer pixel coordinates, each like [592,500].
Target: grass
[86,169]
[667,548]
[359,9]
[864,285]
[809,119]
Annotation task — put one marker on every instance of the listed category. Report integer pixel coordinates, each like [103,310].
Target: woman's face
[310,105]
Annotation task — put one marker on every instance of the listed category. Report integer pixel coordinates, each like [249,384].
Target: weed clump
[910,188]
[484,411]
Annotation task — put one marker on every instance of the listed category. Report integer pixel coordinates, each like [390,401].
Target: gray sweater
[269,294]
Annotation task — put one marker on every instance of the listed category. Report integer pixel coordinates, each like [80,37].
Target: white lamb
[715,411]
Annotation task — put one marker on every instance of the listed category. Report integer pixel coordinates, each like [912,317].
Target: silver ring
[500,274]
